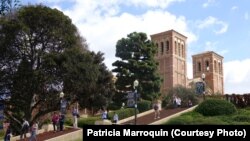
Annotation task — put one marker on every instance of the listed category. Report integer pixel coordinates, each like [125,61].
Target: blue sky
[222,26]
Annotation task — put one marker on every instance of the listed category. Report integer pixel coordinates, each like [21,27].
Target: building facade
[171,56]
[209,66]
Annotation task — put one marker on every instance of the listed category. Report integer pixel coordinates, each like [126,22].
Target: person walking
[34,130]
[7,134]
[115,118]
[157,111]
[190,104]
[75,116]
[104,114]
[178,102]
[61,121]
[24,129]
[55,120]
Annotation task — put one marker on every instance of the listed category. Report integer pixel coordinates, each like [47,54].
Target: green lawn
[242,117]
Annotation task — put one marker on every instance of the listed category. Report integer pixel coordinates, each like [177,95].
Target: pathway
[149,118]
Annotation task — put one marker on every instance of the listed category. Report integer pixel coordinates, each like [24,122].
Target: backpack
[26,127]
[156,107]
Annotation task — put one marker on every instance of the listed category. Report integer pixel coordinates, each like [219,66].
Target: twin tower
[172,58]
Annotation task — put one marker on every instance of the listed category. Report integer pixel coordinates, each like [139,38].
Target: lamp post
[63,103]
[61,95]
[136,83]
[203,76]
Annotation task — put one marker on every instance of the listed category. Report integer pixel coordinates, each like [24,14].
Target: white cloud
[223,28]
[208,3]
[104,23]
[151,3]
[213,22]
[234,8]
[246,16]
[237,76]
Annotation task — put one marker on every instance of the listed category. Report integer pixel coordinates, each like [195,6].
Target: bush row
[123,113]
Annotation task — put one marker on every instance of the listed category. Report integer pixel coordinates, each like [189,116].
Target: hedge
[123,113]
[213,107]
[144,105]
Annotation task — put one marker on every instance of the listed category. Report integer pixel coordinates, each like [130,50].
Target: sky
[222,26]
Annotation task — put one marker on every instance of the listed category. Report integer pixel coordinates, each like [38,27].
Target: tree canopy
[137,62]
[42,54]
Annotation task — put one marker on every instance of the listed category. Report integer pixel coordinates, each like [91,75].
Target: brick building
[210,65]
[171,56]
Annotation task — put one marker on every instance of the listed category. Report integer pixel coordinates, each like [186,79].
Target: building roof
[168,31]
[207,52]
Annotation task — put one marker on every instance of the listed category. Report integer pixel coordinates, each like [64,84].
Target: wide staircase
[148,117]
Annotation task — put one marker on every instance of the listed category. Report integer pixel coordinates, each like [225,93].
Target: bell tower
[209,66]
[171,56]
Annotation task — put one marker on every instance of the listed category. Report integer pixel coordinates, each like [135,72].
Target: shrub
[124,113]
[144,105]
[87,121]
[114,106]
[68,121]
[213,107]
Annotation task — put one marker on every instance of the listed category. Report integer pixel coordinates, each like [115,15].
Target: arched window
[175,46]
[162,47]
[167,45]
[179,49]
[207,65]
[199,66]
[215,66]
[157,48]
[183,52]
[219,67]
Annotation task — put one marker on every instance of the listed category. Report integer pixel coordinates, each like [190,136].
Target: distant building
[171,56]
[211,65]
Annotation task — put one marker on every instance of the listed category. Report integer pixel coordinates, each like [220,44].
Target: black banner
[163,132]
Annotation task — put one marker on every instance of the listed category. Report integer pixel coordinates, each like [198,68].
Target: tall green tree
[42,54]
[137,62]
[103,90]
[92,87]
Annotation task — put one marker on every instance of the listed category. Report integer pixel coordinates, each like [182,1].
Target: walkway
[51,134]
[149,118]
[144,120]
